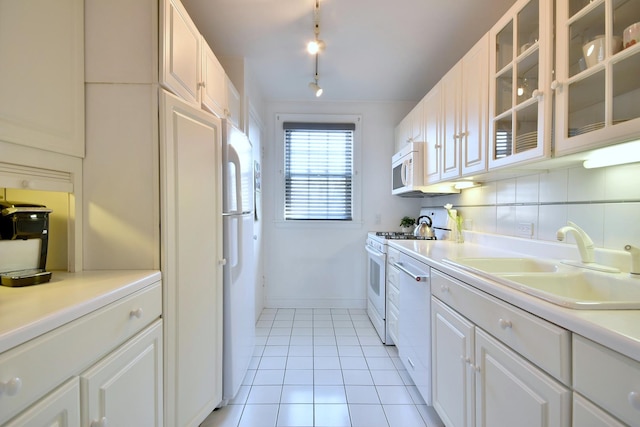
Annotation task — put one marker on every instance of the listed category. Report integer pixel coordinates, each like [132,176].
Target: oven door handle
[416,277]
[374,253]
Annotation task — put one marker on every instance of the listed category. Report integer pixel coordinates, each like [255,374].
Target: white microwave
[407,174]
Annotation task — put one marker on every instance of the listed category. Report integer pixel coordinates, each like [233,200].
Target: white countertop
[30,311]
[617,329]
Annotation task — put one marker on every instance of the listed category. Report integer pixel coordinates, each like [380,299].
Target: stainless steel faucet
[584,242]
[635,260]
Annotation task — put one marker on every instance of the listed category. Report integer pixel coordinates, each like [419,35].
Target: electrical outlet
[524,229]
[378,219]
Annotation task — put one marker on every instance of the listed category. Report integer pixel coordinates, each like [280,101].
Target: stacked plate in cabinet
[526,141]
[590,128]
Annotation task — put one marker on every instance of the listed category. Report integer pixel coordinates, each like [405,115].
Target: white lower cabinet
[480,379]
[453,376]
[125,388]
[608,379]
[104,367]
[59,409]
[190,157]
[510,391]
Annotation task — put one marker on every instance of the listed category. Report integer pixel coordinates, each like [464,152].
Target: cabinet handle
[555,85]
[634,399]
[504,324]
[137,313]
[466,360]
[444,288]
[411,362]
[11,387]
[223,261]
[536,94]
[102,422]
[26,184]
[438,146]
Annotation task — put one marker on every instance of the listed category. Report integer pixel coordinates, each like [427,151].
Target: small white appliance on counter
[376,247]
[238,274]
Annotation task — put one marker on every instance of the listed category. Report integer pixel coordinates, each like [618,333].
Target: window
[318,171]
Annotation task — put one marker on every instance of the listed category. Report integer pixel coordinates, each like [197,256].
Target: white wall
[604,202]
[323,265]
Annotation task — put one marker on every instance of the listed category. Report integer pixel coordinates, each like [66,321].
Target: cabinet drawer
[392,322]
[543,343]
[393,295]
[392,275]
[392,256]
[586,414]
[609,379]
[73,347]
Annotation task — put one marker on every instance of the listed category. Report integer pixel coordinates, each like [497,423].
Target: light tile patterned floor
[323,368]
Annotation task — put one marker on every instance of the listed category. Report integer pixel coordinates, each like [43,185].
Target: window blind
[318,171]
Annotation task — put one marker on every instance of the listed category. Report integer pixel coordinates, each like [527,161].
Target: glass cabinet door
[520,67]
[598,73]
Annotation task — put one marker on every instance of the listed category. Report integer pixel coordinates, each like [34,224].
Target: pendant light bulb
[317,90]
[315,46]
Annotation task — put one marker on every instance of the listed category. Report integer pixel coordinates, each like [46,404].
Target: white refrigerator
[238,272]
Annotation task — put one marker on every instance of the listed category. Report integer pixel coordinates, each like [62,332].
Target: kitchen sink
[567,286]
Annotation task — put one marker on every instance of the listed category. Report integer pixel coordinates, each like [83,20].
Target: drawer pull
[444,288]
[504,324]
[411,362]
[11,387]
[137,313]
[634,400]
[102,422]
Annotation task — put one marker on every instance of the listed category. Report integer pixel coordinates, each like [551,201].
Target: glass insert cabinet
[520,69]
[586,80]
[598,76]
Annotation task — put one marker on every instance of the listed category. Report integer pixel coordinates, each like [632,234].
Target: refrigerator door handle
[234,159]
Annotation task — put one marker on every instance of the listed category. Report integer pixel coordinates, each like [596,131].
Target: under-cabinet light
[619,154]
[465,184]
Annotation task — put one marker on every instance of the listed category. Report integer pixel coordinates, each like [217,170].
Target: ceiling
[393,50]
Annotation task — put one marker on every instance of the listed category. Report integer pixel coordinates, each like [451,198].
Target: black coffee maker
[24,263]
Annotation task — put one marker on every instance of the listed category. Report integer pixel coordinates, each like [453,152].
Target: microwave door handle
[403,173]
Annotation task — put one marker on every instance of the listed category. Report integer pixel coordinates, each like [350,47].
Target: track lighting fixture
[315,47]
[315,88]
[314,84]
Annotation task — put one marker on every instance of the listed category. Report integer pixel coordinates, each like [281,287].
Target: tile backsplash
[604,202]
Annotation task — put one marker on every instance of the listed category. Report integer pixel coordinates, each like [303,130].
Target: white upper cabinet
[214,88]
[432,132]
[42,74]
[520,67]
[455,119]
[464,114]
[411,128]
[451,120]
[597,86]
[180,47]
[473,129]
[191,70]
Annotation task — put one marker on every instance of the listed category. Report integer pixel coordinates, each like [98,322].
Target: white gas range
[376,246]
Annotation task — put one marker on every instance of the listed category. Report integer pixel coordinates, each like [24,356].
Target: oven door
[376,293]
